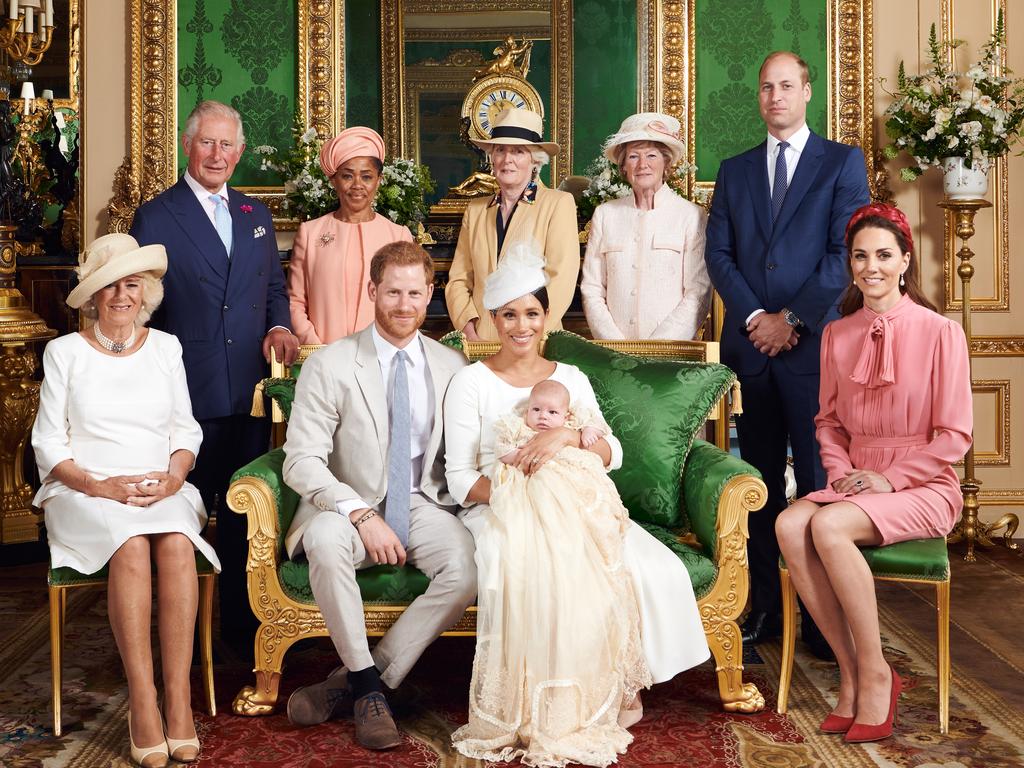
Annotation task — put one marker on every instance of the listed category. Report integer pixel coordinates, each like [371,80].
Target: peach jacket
[328,273]
[644,275]
[550,220]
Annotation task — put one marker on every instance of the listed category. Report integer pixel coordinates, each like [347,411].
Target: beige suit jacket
[550,221]
[337,441]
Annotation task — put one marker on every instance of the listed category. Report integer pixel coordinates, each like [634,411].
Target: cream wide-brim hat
[518,126]
[109,258]
[648,126]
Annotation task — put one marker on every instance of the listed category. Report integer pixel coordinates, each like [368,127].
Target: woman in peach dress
[895,414]
[330,263]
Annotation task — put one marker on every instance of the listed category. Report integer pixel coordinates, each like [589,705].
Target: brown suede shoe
[375,728]
[314,704]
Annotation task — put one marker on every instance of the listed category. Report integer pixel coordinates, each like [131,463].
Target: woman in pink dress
[895,413]
[330,264]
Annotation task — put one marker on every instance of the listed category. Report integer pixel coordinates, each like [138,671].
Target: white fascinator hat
[520,271]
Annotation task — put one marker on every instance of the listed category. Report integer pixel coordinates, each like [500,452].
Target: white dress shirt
[421,405]
[203,196]
[794,151]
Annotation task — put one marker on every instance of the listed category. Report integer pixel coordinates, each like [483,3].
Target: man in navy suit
[225,300]
[776,256]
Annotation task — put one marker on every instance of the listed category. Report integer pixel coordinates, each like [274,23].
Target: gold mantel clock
[495,93]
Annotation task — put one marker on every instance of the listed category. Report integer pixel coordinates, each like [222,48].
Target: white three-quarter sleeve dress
[113,416]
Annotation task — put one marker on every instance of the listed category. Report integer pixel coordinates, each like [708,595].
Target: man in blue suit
[776,256]
[225,300]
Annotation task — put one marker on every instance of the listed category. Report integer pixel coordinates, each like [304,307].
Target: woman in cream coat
[523,210]
[644,275]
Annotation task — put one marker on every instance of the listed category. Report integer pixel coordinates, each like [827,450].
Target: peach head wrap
[357,141]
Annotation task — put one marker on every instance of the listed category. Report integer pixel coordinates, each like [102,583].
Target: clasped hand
[862,481]
[771,334]
[137,490]
[542,447]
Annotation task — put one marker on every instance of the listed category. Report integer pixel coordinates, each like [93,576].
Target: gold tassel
[737,399]
[257,402]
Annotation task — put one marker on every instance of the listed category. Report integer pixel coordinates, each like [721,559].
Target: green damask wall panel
[243,53]
[732,40]
[362,63]
[604,73]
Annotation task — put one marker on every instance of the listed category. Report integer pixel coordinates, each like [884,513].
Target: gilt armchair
[697,506]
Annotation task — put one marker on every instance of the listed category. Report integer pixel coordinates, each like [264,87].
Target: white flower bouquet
[608,183]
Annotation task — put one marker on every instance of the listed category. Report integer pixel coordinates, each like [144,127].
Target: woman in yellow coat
[523,210]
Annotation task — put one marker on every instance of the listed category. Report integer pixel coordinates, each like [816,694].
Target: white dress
[113,416]
[670,627]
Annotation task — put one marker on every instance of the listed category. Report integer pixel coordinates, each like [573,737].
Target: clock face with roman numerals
[493,94]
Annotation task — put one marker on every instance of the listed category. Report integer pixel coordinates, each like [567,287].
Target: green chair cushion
[700,567]
[385,584]
[270,469]
[69,577]
[655,408]
[921,559]
[282,392]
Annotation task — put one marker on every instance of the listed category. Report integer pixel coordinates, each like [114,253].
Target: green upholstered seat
[920,559]
[69,577]
[383,584]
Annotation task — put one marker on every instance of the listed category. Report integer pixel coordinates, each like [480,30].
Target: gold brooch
[326,238]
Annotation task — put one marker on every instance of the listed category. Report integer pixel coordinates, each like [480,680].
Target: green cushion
[387,584]
[924,559]
[655,408]
[701,569]
[69,577]
[270,469]
[282,391]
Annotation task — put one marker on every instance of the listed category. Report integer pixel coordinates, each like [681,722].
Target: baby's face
[546,410]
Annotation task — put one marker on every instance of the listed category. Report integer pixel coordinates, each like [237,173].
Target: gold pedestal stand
[970,529]
[19,395]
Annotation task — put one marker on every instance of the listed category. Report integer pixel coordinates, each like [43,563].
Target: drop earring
[902,281]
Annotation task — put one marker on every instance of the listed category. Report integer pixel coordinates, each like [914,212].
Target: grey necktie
[781,182]
[222,217]
[396,505]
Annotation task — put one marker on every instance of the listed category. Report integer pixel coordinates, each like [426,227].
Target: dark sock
[364,681]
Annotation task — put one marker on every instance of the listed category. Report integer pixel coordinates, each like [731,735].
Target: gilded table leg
[788,639]
[56,649]
[206,582]
[942,653]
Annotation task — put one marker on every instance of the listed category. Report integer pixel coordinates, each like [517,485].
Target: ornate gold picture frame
[151,165]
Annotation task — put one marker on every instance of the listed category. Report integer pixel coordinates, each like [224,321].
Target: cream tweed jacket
[644,275]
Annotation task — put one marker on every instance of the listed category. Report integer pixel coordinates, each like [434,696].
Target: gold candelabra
[970,529]
[28,31]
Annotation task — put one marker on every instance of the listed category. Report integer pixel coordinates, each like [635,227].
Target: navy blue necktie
[781,181]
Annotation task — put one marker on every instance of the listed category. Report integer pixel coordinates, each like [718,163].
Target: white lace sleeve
[510,432]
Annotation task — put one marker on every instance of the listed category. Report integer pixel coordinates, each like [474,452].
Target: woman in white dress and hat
[570,716]
[114,441]
[644,275]
[523,210]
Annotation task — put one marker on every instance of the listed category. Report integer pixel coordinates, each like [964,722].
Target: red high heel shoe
[861,732]
[835,724]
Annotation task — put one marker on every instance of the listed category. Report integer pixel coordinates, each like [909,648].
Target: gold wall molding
[999,389]
[392,81]
[151,164]
[1001,497]
[997,346]
[477,35]
[560,110]
[477,6]
[450,79]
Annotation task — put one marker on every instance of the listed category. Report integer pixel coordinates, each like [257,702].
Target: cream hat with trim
[648,126]
[520,271]
[109,258]
[518,126]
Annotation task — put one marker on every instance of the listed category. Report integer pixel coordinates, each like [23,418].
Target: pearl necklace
[117,347]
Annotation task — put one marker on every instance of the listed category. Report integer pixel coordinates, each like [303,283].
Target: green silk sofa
[717,492]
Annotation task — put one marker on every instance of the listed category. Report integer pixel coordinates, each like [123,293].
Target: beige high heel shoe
[183,750]
[141,755]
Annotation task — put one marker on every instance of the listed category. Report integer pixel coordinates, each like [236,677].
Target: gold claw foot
[749,701]
[258,700]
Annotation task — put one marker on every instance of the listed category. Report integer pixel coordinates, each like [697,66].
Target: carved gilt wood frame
[558,114]
[151,165]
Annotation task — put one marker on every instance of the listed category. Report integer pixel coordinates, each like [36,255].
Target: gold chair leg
[271,644]
[206,583]
[57,604]
[788,639]
[942,655]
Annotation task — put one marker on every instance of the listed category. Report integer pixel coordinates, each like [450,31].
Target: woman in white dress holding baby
[579,608]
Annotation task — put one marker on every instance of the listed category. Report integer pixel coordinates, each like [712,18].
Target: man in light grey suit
[365,452]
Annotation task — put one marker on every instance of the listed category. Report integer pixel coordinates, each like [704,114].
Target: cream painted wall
[900,31]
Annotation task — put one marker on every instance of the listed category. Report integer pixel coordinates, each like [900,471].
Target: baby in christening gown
[559,657]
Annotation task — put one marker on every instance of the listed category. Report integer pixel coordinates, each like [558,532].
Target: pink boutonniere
[246,208]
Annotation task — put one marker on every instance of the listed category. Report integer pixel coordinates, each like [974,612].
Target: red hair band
[882,211]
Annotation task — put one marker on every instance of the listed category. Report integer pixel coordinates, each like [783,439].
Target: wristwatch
[790,317]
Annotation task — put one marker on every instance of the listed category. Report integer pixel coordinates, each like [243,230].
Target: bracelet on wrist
[369,513]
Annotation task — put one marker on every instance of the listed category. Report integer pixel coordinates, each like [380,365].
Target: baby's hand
[589,436]
[511,457]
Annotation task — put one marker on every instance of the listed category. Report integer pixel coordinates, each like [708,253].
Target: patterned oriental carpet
[683,724]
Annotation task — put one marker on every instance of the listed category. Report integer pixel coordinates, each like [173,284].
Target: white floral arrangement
[308,193]
[608,183]
[943,113]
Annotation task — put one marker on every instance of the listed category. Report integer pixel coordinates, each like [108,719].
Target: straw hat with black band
[518,126]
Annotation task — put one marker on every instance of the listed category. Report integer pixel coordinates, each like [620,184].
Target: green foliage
[945,113]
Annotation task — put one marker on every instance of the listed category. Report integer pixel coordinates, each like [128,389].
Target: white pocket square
[258,232]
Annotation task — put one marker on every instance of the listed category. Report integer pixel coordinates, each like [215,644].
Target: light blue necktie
[781,182]
[222,217]
[396,505]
